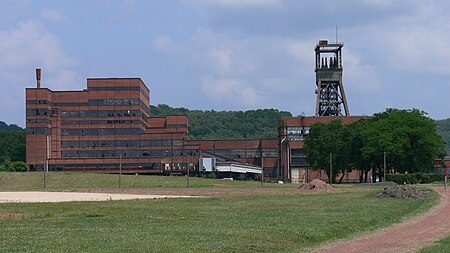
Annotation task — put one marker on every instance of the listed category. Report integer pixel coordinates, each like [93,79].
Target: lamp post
[187,173]
[384,166]
[281,157]
[262,169]
[120,170]
[331,168]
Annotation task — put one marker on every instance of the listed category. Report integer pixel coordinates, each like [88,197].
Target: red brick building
[108,127]
[293,166]
[101,128]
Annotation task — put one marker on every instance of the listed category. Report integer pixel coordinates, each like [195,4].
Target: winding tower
[330,88]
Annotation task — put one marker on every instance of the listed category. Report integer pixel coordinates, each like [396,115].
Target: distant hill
[443,128]
[210,124]
[12,127]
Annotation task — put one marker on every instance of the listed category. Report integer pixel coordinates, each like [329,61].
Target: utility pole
[384,167]
[331,168]
[45,174]
[46,162]
[262,169]
[187,173]
[120,170]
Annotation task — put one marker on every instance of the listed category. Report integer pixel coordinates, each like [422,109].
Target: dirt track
[409,236]
[31,197]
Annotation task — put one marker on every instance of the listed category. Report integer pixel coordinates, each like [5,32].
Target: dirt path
[32,197]
[410,236]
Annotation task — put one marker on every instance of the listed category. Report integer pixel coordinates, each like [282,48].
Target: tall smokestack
[38,77]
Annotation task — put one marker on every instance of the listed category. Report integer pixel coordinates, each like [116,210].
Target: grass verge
[270,223]
[442,246]
[70,180]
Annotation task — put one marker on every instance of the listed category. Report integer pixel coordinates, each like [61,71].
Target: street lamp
[187,173]
[281,157]
[262,169]
[120,170]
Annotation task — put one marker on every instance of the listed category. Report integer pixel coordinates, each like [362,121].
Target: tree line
[407,138]
[12,149]
[211,124]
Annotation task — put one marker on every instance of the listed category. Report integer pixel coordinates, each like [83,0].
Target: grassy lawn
[66,181]
[269,223]
[442,246]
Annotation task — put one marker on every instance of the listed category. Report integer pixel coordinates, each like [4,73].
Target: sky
[230,54]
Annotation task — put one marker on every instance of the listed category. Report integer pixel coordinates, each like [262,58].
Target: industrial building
[107,128]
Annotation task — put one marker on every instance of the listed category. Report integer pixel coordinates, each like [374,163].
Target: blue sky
[230,54]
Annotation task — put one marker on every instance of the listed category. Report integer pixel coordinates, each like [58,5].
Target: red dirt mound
[316,185]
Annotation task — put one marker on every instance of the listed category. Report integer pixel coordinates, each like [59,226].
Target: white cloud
[359,76]
[230,91]
[222,58]
[22,49]
[163,43]
[53,15]
[242,3]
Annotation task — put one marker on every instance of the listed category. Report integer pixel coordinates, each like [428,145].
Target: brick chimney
[38,78]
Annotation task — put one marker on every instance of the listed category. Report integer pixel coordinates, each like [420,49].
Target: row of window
[245,153]
[114,88]
[94,102]
[129,153]
[297,133]
[299,161]
[118,88]
[37,102]
[37,130]
[101,113]
[140,166]
[298,130]
[176,126]
[37,120]
[116,101]
[37,112]
[101,131]
[122,143]
[272,172]
[92,122]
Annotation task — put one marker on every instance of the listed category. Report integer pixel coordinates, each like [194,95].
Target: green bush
[9,166]
[430,178]
[211,175]
[19,166]
[425,178]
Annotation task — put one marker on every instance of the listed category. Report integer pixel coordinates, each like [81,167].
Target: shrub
[430,178]
[425,178]
[403,178]
[19,166]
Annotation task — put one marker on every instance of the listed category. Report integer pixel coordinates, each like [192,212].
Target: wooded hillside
[443,128]
[252,124]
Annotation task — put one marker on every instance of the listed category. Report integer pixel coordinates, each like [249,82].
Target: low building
[293,165]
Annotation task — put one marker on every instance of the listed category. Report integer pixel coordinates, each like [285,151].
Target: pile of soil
[316,185]
[406,191]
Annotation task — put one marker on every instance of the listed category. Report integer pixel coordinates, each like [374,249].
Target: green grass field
[442,246]
[68,181]
[265,223]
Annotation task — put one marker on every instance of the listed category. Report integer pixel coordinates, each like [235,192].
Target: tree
[9,166]
[251,124]
[408,137]
[323,140]
[443,129]
[12,145]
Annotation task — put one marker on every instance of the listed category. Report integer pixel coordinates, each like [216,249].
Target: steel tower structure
[330,89]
